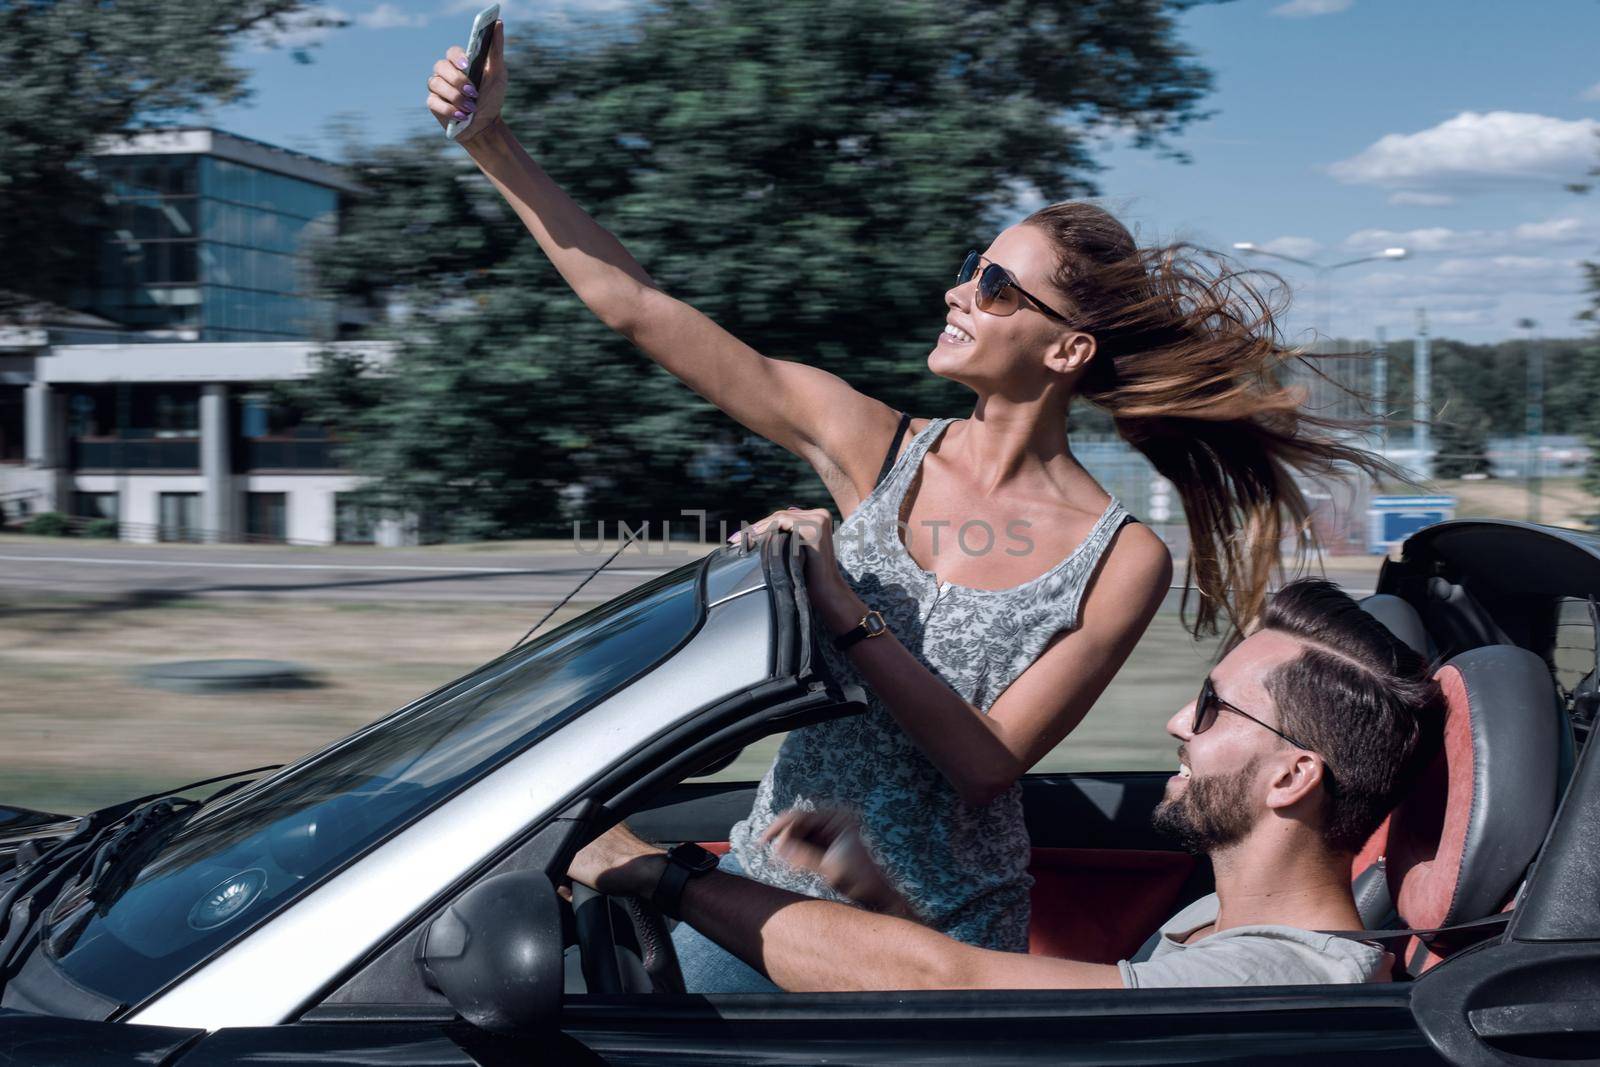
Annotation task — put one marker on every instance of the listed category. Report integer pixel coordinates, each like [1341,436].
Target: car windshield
[233,866]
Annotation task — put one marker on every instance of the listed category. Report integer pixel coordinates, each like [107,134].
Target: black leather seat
[1458,846]
[1403,621]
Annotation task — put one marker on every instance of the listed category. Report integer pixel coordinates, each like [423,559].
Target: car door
[1104,882]
[414,1039]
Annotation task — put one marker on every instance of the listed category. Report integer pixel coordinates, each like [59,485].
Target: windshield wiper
[108,848]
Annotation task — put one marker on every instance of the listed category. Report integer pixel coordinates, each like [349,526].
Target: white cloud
[1474,283]
[1501,266]
[1425,239]
[1573,233]
[1412,198]
[1307,9]
[1591,93]
[389,17]
[1566,230]
[1496,146]
[1299,247]
[301,28]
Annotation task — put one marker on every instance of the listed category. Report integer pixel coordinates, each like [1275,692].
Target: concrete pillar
[44,436]
[39,432]
[216,468]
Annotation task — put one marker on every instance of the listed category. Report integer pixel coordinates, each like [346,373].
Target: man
[1303,738]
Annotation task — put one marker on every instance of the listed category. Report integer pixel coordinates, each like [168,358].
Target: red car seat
[1457,847]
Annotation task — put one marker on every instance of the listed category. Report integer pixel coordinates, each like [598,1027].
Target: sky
[1450,128]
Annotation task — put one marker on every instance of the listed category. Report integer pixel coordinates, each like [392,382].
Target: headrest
[1402,620]
[1459,844]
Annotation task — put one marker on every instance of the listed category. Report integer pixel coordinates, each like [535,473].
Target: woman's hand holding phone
[452,97]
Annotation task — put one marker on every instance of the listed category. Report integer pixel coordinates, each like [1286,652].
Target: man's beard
[1210,814]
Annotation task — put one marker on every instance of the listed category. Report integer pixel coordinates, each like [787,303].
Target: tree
[82,69]
[807,173]
[1487,384]
[1461,443]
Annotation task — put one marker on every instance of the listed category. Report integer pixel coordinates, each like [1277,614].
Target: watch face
[874,624]
[692,857]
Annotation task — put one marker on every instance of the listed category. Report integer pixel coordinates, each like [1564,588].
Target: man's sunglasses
[998,292]
[1208,704]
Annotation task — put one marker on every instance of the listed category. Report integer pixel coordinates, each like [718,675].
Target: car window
[231,866]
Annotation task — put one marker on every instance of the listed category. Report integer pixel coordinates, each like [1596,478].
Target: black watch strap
[871,625]
[684,862]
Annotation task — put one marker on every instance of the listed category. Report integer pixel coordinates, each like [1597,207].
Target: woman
[1019,587]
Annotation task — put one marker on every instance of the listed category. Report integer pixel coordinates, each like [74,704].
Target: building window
[266,517]
[180,517]
[12,423]
[96,506]
[134,427]
[276,437]
[353,522]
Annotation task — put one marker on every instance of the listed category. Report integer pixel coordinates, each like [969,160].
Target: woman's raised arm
[806,410]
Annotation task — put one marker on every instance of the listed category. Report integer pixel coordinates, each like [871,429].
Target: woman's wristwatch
[871,625]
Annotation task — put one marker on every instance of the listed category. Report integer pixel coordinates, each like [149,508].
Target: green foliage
[82,69]
[1486,386]
[48,524]
[1461,444]
[809,174]
[105,529]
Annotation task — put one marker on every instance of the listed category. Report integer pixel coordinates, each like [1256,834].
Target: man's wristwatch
[684,862]
[871,625]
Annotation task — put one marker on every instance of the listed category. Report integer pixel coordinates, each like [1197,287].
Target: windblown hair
[1187,363]
[1358,696]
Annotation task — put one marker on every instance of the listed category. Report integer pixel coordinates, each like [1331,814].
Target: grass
[78,731]
[1562,501]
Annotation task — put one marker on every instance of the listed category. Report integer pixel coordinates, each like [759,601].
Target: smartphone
[477,56]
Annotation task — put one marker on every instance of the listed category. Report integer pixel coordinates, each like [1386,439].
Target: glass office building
[210,237]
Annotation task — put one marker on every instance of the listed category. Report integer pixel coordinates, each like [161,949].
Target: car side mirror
[496,953]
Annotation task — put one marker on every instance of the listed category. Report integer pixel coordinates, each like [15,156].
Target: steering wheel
[625,945]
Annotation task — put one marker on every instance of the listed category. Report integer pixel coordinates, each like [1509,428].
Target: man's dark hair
[1358,696]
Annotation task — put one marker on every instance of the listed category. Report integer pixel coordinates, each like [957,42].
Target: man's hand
[828,841]
[618,863]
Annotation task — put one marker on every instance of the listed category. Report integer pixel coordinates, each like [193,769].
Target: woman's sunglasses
[1208,704]
[998,292]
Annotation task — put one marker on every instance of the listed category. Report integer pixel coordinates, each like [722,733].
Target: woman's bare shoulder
[1139,558]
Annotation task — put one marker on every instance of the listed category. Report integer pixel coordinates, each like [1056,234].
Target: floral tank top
[963,867]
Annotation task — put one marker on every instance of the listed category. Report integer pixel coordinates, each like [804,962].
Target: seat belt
[1481,928]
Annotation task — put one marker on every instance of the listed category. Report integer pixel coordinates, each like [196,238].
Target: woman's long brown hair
[1187,362]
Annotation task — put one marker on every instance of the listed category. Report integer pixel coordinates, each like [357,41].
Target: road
[112,571]
[115,571]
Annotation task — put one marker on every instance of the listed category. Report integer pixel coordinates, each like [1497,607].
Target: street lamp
[1535,414]
[1322,270]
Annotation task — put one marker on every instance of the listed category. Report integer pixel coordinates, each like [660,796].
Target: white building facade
[213,467]
[150,401]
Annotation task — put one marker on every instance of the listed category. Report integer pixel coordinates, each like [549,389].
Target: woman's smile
[954,335]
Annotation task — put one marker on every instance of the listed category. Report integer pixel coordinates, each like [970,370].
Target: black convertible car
[392,898]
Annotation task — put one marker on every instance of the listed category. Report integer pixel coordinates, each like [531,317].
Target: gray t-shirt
[1251,955]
